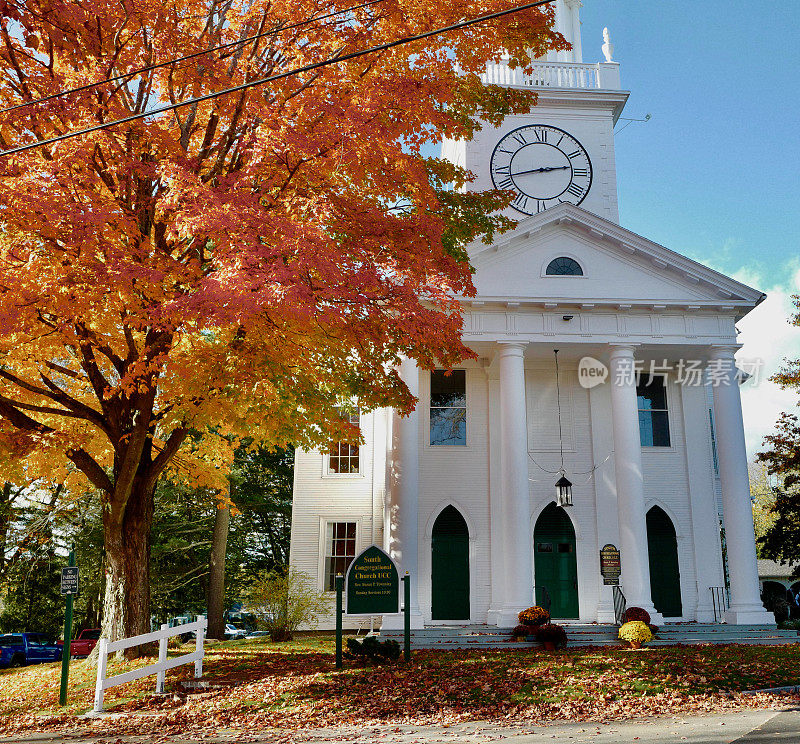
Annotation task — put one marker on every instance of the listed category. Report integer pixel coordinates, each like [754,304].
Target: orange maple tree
[242,265]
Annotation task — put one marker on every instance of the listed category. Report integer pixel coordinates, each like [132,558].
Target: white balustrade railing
[603,75]
[160,668]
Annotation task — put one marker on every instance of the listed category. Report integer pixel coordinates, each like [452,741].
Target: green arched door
[555,564]
[662,552]
[450,567]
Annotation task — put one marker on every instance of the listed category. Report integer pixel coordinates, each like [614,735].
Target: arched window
[563,266]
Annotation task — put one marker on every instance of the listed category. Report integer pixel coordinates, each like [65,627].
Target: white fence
[159,668]
[603,75]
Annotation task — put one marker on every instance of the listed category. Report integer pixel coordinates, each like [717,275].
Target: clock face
[544,165]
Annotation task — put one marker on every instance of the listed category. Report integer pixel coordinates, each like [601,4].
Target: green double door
[555,564]
[662,553]
[450,567]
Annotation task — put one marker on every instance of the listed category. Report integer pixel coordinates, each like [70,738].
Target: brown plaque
[610,566]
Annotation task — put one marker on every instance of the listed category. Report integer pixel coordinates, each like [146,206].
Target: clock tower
[563,149]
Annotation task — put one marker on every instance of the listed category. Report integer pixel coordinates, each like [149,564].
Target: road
[745,727]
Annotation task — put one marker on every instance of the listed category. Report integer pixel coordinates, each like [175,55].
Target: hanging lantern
[563,491]
[563,486]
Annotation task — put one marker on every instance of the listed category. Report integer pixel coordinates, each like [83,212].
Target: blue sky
[714,174]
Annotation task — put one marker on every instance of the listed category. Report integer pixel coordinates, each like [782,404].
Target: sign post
[69,588]
[407,618]
[339,611]
[610,565]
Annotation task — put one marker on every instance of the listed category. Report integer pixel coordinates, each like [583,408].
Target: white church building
[644,418]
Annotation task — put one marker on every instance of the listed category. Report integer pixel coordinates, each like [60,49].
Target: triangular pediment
[619,266]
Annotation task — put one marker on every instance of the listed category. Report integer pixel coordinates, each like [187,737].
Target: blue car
[17,649]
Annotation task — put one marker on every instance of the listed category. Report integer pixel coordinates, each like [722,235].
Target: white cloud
[767,335]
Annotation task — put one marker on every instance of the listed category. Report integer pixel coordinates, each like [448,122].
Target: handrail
[546,601]
[719,602]
[105,647]
[620,604]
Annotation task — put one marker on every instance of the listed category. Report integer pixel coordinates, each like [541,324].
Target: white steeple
[568,24]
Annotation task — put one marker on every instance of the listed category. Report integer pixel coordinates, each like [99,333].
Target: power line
[132,73]
[279,76]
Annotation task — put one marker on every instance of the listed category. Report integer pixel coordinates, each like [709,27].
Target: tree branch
[89,467]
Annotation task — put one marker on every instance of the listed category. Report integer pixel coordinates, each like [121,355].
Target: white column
[605,492]
[630,482]
[703,510]
[517,549]
[401,520]
[737,514]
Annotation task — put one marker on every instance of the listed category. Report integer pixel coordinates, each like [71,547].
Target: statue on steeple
[608,47]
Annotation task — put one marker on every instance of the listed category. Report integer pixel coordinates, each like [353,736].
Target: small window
[343,458]
[340,550]
[651,397]
[563,266]
[565,547]
[544,547]
[449,407]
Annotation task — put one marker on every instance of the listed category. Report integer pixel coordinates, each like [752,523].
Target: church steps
[489,637]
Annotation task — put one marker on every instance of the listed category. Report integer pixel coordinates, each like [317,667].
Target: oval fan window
[563,266]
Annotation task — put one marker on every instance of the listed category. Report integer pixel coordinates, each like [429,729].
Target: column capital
[622,350]
[723,351]
[511,348]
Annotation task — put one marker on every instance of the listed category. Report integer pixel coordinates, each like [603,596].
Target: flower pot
[635,644]
[549,645]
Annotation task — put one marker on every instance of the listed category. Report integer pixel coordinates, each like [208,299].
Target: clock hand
[541,170]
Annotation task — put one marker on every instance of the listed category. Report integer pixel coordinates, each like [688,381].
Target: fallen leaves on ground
[288,687]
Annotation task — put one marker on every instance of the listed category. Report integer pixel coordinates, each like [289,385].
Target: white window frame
[467,415]
[670,422]
[326,458]
[324,521]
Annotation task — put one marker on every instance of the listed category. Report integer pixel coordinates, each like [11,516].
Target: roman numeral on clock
[574,154]
[540,206]
[520,138]
[541,135]
[580,172]
[503,169]
[506,183]
[575,190]
[521,201]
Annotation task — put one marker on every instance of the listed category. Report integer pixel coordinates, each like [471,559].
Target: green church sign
[373,584]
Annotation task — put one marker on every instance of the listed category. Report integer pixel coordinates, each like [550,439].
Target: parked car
[257,634]
[17,649]
[84,644]
[232,632]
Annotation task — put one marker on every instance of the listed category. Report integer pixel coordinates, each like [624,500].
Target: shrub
[653,629]
[373,649]
[778,606]
[551,633]
[522,631]
[283,601]
[636,613]
[534,616]
[635,631]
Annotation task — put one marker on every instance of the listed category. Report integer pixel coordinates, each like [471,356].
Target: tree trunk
[126,604]
[216,580]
